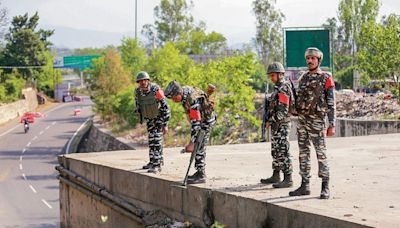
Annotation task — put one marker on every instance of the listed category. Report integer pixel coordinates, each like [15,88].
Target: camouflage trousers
[312,129]
[281,158]
[200,158]
[154,130]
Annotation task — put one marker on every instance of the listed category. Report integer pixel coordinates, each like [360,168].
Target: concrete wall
[18,108]
[198,205]
[98,139]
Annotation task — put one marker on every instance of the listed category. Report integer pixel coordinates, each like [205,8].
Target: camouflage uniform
[315,100]
[155,122]
[280,127]
[193,101]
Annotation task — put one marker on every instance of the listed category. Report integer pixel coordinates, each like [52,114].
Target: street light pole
[135,19]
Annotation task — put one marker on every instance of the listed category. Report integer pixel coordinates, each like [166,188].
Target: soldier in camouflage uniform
[315,100]
[279,120]
[153,108]
[202,117]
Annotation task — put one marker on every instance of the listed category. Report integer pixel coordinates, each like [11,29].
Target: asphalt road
[29,192]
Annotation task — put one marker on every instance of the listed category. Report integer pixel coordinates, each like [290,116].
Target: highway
[29,192]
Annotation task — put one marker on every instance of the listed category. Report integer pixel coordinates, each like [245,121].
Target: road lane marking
[20,166]
[41,133]
[47,128]
[23,151]
[47,204]
[34,138]
[74,135]
[33,189]
[27,145]
[10,130]
[54,123]
[20,158]
[23,175]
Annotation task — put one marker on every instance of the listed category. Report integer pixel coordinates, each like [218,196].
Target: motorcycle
[26,127]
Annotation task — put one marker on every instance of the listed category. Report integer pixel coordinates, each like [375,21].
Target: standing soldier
[153,108]
[315,101]
[202,117]
[279,120]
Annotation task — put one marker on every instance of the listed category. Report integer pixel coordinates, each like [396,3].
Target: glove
[330,131]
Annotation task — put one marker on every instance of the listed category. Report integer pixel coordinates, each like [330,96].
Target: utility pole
[135,19]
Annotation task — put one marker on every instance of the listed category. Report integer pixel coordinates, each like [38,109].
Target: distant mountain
[64,37]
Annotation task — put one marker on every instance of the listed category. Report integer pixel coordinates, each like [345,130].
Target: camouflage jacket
[280,100]
[315,96]
[164,112]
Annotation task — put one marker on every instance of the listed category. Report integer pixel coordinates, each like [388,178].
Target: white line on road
[41,133]
[23,175]
[20,166]
[47,204]
[23,151]
[27,145]
[73,136]
[3,134]
[20,158]
[47,128]
[34,138]
[33,189]
[54,123]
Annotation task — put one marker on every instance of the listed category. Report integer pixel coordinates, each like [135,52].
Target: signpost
[82,62]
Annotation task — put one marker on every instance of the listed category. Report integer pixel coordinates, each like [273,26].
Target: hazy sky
[233,18]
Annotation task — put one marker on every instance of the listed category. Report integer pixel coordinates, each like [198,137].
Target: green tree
[109,79]
[268,30]
[134,56]
[26,46]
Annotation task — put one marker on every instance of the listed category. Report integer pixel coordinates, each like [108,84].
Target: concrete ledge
[363,191]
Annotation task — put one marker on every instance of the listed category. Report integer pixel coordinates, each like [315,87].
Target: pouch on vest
[148,105]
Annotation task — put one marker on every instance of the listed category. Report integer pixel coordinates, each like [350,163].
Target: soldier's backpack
[207,106]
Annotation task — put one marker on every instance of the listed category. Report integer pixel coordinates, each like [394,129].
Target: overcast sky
[233,18]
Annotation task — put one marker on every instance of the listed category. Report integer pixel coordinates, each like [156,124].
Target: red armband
[329,83]
[283,99]
[194,114]
[160,95]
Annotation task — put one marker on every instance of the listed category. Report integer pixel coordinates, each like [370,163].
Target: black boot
[275,178]
[197,178]
[303,190]
[286,183]
[325,190]
[148,166]
[154,169]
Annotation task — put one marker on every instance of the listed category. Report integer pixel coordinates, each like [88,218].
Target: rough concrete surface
[365,187]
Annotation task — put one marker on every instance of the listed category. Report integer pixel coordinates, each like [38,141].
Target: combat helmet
[314,52]
[173,89]
[275,67]
[142,75]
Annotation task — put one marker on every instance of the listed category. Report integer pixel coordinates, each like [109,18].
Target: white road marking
[34,138]
[33,189]
[23,175]
[3,134]
[20,166]
[41,133]
[20,158]
[27,145]
[54,123]
[47,128]
[23,151]
[47,204]
[73,136]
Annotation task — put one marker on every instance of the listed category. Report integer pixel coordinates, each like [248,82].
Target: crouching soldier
[152,108]
[202,117]
[280,104]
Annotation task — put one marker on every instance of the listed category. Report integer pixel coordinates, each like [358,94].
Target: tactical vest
[206,106]
[311,95]
[274,101]
[148,104]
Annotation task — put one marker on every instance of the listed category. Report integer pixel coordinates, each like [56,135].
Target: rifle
[140,116]
[197,146]
[264,119]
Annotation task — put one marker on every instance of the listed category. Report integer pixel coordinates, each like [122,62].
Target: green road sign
[83,61]
[297,40]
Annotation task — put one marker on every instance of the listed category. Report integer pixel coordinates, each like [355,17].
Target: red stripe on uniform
[283,99]
[194,114]
[329,83]
[160,95]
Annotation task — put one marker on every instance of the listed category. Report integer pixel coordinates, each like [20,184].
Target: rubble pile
[367,106]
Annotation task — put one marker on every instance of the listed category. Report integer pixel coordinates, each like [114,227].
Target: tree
[26,46]
[268,30]
[134,56]
[109,79]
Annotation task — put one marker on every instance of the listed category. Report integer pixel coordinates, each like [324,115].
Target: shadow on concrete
[285,199]
[247,188]
[41,177]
